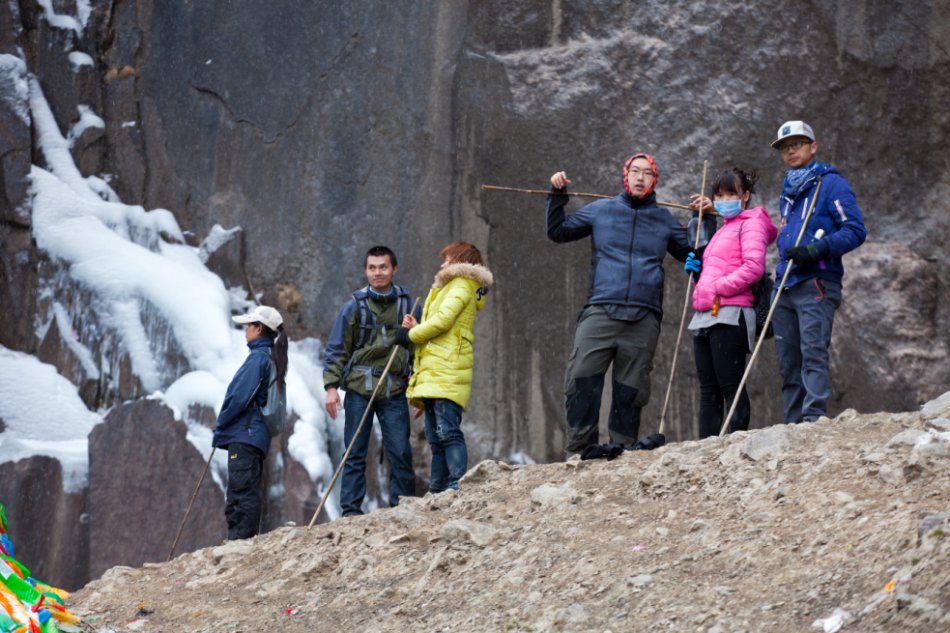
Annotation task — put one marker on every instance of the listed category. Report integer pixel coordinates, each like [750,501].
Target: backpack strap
[367,324]
[367,320]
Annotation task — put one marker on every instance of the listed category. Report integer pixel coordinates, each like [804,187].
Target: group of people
[429,354]
[630,235]
[433,357]
[385,354]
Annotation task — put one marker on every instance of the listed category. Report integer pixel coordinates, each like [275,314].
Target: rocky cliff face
[363,127]
[323,128]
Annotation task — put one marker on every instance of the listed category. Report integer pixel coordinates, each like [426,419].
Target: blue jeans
[393,414]
[445,437]
[802,322]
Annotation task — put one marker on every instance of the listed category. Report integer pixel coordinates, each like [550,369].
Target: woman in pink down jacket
[723,325]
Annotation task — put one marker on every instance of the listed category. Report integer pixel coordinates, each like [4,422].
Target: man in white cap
[240,427]
[805,312]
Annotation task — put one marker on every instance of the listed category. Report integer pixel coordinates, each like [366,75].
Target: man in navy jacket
[620,324]
[812,245]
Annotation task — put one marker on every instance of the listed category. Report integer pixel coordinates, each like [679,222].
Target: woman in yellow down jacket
[441,382]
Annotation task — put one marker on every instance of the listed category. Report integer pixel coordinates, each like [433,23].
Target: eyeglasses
[794,146]
[646,173]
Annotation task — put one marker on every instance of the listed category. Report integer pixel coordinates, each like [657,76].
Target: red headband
[656,172]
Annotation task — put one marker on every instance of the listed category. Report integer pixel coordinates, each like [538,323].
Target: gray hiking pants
[802,321]
[598,342]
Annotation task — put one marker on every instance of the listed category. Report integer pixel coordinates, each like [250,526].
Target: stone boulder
[142,474]
[890,348]
[48,526]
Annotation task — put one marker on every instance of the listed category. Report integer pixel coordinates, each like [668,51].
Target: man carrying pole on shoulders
[620,323]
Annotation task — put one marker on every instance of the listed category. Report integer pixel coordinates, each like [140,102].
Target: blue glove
[693,264]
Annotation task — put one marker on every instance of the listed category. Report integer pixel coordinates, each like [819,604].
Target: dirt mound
[838,525]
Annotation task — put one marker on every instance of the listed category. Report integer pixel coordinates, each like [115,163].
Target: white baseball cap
[793,128]
[261,314]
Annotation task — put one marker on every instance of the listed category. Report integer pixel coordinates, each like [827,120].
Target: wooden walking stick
[689,284]
[359,427]
[190,504]
[768,319]
[573,193]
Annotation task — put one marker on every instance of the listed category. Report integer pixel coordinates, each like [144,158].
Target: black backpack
[761,303]
[275,411]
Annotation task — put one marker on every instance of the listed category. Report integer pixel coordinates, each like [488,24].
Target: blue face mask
[728,208]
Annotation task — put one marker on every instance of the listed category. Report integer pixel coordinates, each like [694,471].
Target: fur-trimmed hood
[479,274]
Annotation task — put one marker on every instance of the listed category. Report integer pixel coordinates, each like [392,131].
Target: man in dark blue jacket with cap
[241,429]
[806,309]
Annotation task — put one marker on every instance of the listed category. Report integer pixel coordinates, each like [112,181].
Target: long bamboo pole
[768,319]
[574,193]
[689,285]
[190,504]
[356,436]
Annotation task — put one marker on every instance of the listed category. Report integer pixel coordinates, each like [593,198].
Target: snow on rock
[87,119]
[79,59]
[137,270]
[43,415]
[61,21]
[217,237]
[14,88]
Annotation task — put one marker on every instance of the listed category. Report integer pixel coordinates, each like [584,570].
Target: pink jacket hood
[734,260]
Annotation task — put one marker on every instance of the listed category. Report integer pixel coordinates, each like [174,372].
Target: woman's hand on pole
[409,322]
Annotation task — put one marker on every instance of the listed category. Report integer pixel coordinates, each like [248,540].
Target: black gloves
[807,254]
[602,451]
[402,337]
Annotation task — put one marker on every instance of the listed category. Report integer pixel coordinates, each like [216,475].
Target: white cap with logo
[793,128]
[261,314]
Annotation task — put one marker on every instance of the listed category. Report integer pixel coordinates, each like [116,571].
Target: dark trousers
[243,502]
[600,342]
[720,353]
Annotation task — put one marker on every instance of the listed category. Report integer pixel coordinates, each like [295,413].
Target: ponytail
[279,354]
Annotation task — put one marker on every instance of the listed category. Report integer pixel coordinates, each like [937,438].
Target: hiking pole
[574,193]
[190,504]
[359,427]
[768,319]
[689,284]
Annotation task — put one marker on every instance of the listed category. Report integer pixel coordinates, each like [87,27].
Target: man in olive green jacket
[357,351]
